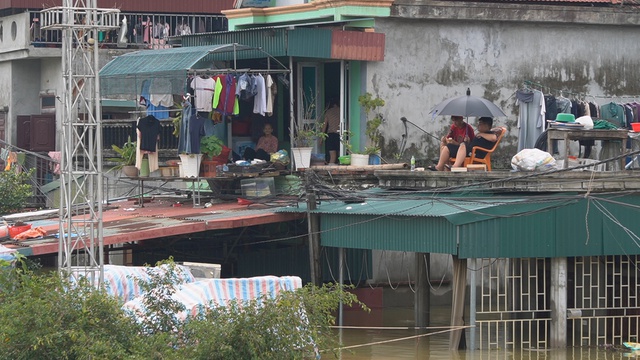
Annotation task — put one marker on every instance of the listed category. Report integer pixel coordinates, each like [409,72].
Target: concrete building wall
[15,32]
[429,60]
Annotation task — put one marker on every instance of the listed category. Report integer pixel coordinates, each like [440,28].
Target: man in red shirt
[460,132]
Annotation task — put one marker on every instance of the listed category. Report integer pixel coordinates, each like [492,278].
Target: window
[48,103]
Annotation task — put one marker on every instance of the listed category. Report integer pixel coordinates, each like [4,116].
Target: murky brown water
[436,346]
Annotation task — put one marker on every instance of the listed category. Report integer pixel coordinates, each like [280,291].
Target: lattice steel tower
[81,239]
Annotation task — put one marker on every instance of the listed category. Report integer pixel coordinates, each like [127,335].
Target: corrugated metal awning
[305,42]
[125,74]
[457,211]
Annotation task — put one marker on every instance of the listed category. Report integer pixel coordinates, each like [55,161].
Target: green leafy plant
[15,189]
[305,134]
[127,154]
[44,316]
[372,129]
[211,146]
[177,120]
[345,139]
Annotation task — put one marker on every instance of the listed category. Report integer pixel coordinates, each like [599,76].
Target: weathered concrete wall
[443,51]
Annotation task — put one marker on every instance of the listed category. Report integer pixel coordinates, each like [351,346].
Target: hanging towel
[55,156]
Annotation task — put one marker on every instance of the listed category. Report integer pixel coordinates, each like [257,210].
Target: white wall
[15,32]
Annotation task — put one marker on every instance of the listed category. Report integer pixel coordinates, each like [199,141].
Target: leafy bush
[45,317]
[295,325]
[14,190]
[127,154]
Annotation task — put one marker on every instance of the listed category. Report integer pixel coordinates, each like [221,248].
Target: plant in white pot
[126,161]
[303,140]
[306,134]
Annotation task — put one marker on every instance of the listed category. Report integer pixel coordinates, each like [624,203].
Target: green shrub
[14,190]
[45,317]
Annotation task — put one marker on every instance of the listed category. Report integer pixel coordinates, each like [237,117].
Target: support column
[314,233]
[558,336]
[473,286]
[457,301]
[422,300]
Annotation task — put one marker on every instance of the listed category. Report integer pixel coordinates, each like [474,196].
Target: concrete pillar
[558,301]
[473,286]
[457,303]
[422,301]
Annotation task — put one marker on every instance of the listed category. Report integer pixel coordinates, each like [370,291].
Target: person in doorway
[332,128]
[484,138]
[267,145]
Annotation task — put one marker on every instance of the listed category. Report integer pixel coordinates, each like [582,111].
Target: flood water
[437,346]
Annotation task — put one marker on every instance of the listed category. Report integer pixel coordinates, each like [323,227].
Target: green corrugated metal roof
[276,41]
[125,74]
[119,103]
[174,60]
[532,226]
[312,43]
[456,210]
[272,41]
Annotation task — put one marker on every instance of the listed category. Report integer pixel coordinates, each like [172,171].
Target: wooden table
[581,134]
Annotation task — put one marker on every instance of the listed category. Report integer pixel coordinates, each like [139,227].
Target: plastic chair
[500,131]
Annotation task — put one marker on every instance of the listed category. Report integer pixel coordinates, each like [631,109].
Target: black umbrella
[466,106]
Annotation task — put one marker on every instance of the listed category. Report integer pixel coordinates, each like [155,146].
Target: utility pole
[80,244]
[314,232]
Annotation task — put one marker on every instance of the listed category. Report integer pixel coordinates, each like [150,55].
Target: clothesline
[236,71]
[528,83]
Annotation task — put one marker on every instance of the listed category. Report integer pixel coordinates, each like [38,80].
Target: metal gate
[603,304]
[513,308]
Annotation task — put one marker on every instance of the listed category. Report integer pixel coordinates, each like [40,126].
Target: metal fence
[143,30]
[513,309]
[43,167]
[118,132]
[604,300]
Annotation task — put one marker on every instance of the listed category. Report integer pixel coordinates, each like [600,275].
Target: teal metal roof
[455,210]
[126,73]
[529,226]
[148,62]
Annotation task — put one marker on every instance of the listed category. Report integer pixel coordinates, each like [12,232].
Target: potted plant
[305,135]
[372,127]
[303,140]
[215,153]
[127,158]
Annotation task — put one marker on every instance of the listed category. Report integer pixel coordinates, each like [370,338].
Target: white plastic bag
[586,121]
[533,160]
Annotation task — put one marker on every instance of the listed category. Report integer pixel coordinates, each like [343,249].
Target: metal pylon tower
[80,247]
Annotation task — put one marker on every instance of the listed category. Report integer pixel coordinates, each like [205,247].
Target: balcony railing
[117,132]
[144,30]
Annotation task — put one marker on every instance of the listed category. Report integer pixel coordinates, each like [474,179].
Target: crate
[257,187]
